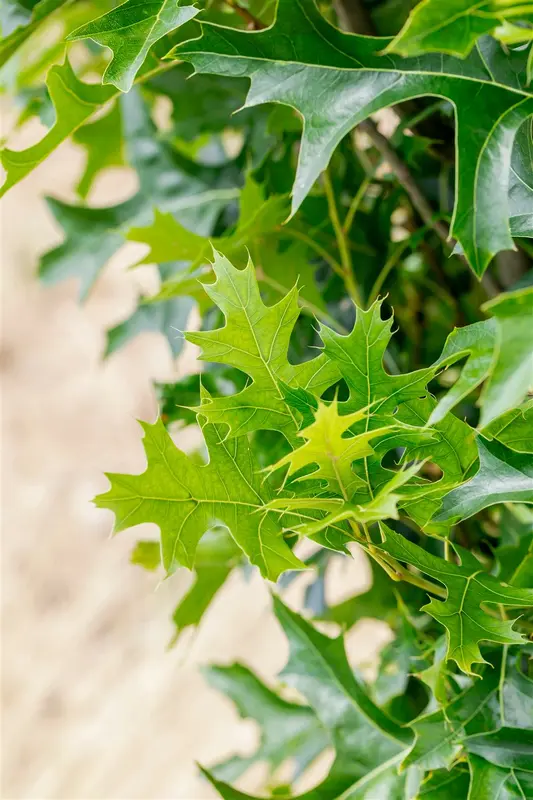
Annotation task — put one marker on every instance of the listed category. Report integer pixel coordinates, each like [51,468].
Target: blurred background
[94,705]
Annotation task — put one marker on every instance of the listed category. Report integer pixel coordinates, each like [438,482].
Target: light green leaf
[129,31]
[12,39]
[74,102]
[477,343]
[103,143]
[186,500]
[455,25]
[359,357]
[336,80]
[466,623]
[255,339]
[503,476]
[514,428]
[512,372]
[147,554]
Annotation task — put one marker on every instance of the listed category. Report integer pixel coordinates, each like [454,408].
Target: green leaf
[166,179]
[512,372]
[147,554]
[74,102]
[478,343]
[185,500]
[216,556]
[489,780]
[521,182]
[335,80]
[12,39]
[103,142]
[445,784]
[503,476]
[466,623]
[359,357]
[452,448]
[439,734]
[129,31]
[454,26]
[514,429]
[168,240]
[507,747]
[168,318]
[288,730]
[255,339]
[368,743]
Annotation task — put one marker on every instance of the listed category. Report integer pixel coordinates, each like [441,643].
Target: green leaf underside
[466,623]
[503,476]
[185,500]
[335,80]
[129,31]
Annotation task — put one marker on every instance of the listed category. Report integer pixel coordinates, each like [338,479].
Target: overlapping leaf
[468,586]
[129,31]
[368,744]
[255,339]
[454,26]
[186,500]
[336,80]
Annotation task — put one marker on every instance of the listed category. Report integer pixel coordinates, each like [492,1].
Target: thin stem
[342,244]
[410,577]
[356,202]
[389,265]
[321,251]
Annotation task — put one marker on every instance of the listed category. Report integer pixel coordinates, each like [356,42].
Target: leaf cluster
[350,254]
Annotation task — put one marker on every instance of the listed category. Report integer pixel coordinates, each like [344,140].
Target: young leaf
[336,80]
[466,623]
[359,358]
[129,31]
[454,26]
[255,339]
[185,500]
[103,142]
[503,476]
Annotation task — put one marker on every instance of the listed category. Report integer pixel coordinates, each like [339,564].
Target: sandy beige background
[93,705]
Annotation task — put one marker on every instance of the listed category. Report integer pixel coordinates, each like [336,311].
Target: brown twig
[253,23]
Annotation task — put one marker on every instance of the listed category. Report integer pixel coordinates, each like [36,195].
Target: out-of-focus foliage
[336,199]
